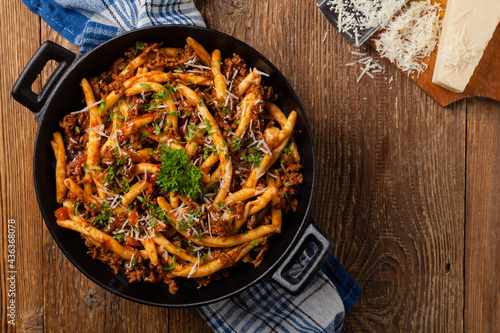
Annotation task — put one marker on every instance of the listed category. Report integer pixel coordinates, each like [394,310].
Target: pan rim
[305,221]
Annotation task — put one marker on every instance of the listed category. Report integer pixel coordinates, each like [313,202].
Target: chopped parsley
[157,129]
[236,144]
[254,156]
[177,174]
[170,87]
[222,108]
[75,208]
[139,47]
[119,161]
[102,106]
[110,175]
[151,106]
[123,182]
[154,211]
[161,95]
[287,150]
[255,243]
[191,132]
[170,267]
[103,218]
[144,85]
[119,236]
[207,152]
[208,124]
[183,226]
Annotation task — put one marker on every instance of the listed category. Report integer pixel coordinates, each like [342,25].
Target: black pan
[62,94]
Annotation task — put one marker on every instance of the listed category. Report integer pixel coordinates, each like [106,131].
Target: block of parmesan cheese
[467,28]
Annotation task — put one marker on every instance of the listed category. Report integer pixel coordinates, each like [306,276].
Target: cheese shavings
[411,36]
[357,16]
[371,65]
[85,109]
[455,52]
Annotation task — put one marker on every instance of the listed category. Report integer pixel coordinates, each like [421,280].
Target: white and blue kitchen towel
[90,23]
[264,307]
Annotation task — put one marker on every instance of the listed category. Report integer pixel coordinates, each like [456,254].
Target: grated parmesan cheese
[411,36]
[357,16]
[326,35]
[85,109]
[370,65]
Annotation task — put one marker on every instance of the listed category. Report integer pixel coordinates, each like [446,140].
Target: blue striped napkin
[264,307]
[90,23]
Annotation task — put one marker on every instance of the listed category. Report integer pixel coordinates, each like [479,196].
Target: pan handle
[295,285]
[22,88]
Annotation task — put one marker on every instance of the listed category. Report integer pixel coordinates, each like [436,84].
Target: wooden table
[409,191]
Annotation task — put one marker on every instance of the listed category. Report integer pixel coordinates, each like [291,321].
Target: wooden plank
[482,242]
[20,38]
[391,187]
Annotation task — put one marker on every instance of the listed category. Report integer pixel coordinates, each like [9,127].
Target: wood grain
[407,190]
[482,241]
[18,199]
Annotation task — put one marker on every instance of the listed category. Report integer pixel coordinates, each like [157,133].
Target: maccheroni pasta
[180,166]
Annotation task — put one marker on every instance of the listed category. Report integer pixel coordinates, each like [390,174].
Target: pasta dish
[180,166]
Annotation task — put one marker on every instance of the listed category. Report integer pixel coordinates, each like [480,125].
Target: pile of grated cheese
[357,16]
[411,36]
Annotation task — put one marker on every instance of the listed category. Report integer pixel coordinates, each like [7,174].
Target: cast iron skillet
[62,94]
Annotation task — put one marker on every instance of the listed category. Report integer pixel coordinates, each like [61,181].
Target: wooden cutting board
[485,82]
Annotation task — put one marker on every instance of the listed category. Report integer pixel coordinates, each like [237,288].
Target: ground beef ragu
[135,224]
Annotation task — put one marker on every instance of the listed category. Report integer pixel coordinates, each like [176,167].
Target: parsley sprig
[176,174]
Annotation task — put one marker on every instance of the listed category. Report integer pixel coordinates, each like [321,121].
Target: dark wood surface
[409,191]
